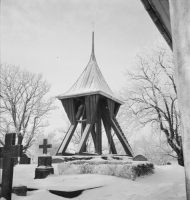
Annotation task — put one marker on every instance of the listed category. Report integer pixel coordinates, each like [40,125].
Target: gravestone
[45,146]
[24,159]
[139,158]
[44,162]
[20,190]
[8,153]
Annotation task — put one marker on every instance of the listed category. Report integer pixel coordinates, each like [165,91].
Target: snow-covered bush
[143,169]
[64,168]
[85,168]
[125,170]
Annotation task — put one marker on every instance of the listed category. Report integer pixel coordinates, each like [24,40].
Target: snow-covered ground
[166,183]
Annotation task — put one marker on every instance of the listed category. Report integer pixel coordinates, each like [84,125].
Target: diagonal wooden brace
[116,129]
[109,136]
[125,145]
[70,133]
[86,132]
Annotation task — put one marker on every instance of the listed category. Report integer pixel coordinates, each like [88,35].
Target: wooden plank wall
[69,107]
[116,109]
[92,107]
[90,103]
[111,106]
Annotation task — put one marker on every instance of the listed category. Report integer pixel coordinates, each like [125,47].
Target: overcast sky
[53,37]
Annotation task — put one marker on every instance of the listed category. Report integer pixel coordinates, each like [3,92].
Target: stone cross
[45,146]
[8,153]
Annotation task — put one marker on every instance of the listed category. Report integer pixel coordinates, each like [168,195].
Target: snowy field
[166,183]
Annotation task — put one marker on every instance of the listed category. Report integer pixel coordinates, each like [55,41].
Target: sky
[53,37]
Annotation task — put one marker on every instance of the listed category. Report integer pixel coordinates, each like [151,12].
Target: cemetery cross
[45,146]
[8,153]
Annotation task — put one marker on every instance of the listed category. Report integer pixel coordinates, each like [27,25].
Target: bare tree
[23,104]
[155,148]
[151,95]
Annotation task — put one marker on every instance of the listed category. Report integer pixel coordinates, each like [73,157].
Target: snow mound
[168,182]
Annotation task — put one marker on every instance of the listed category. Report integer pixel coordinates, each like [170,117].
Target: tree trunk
[180,159]
[180,23]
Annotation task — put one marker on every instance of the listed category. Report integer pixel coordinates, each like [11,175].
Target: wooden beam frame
[83,126]
[97,114]
[93,133]
[70,132]
[123,141]
[109,136]
[87,131]
[119,134]
[98,133]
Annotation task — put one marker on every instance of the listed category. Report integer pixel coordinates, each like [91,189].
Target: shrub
[119,169]
[85,168]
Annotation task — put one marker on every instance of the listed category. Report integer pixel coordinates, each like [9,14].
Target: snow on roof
[91,81]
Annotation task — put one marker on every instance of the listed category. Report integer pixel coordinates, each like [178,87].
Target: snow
[57,182]
[44,155]
[44,167]
[18,185]
[168,182]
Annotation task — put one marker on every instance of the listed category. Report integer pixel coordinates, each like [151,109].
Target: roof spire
[92,55]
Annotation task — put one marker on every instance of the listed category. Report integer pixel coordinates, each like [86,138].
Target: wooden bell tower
[91,103]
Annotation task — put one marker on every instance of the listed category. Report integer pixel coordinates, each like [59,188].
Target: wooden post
[70,132]
[180,23]
[8,152]
[109,136]
[117,129]
[93,133]
[87,131]
[83,126]
[99,133]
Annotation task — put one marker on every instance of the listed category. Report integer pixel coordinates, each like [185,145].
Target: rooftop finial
[93,56]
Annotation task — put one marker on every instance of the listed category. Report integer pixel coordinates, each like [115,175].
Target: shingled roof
[91,81]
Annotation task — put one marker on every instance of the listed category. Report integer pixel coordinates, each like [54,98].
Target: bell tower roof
[91,81]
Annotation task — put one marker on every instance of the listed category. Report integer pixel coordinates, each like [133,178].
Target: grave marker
[8,153]
[139,158]
[44,167]
[24,159]
[45,146]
